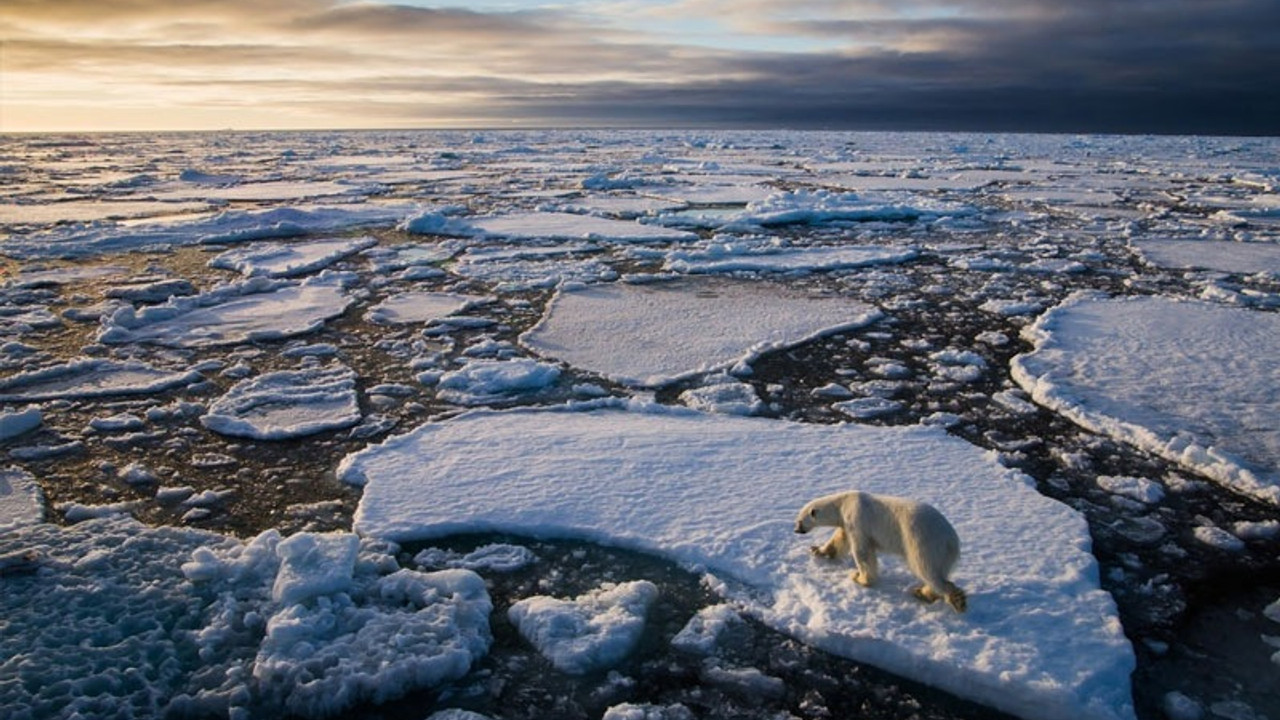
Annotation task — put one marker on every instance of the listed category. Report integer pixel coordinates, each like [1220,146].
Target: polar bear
[866,524]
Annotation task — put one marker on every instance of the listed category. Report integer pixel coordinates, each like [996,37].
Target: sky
[1144,66]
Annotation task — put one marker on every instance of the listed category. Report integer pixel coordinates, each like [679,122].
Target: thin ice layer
[257,309]
[1194,382]
[1041,639]
[91,378]
[652,334]
[278,259]
[21,502]
[287,404]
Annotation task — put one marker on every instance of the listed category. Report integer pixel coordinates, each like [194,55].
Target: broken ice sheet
[1190,381]
[278,259]
[651,334]
[255,309]
[287,404]
[421,307]
[89,378]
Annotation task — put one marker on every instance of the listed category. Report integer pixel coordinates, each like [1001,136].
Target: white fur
[867,524]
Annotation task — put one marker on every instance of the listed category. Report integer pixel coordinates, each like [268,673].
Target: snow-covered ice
[487,381]
[421,307]
[1135,368]
[90,378]
[721,493]
[289,259]
[651,334]
[591,631]
[287,404]
[807,259]
[558,226]
[255,309]
[21,502]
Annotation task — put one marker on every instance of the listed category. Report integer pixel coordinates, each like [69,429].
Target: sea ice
[1246,258]
[255,309]
[92,377]
[821,206]
[486,381]
[287,404]
[290,259]
[721,493]
[121,620]
[652,334]
[21,502]
[13,424]
[815,259]
[590,632]
[562,226]
[421,307]
[1191,381]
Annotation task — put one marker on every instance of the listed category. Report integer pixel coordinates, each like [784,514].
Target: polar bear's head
[823,512]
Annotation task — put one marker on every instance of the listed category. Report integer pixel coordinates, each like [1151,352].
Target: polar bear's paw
[861,578]
[954,596]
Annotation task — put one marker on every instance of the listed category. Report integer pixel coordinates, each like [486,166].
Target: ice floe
[421,307]
[1247,258]
[1191,381]
[290,259]
[560,226]
[726,258]
[225,227]
[653,333]
[92,377]
[254,309]
[120,620]
[589,632]
[21,501]
[721,494]
[287,404]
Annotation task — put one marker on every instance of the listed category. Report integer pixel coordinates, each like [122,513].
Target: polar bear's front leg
[837,546]
[868,569]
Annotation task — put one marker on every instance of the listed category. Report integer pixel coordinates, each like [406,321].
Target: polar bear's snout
[800,528]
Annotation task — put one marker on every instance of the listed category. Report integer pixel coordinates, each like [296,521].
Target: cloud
[1169,66]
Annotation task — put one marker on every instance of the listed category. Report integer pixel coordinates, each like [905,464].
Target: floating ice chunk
[91,378]
[420,307]
[313,564]
[749,682]
[653,334]
[1218,538]
[120,422]
[287,404]
[1191,381]
[1247,258]
[723,394]
[13,424]
[819,206]
[1180,707]
[484,381]
[1256,530]
[153,291]
[257,309]
[591,474]
[1134,488]
[75,512]
[701,633]
[787,259]
[290,259]
[496,557]
[21,502]
[632,711]
[868,407]
[565,226]
[590,632]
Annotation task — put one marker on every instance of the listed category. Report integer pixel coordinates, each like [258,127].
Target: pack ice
[118,620]
[1041,640]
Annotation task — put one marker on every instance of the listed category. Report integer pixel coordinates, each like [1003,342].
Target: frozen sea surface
[1069,337]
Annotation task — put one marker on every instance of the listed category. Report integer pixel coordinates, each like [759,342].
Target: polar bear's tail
[956,598]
